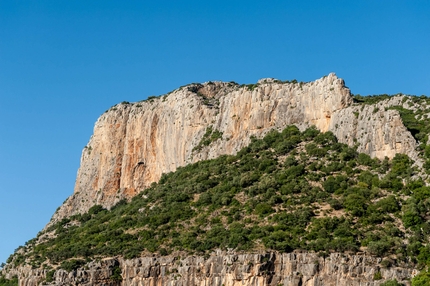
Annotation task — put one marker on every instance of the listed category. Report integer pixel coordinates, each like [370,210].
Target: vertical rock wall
[289,269]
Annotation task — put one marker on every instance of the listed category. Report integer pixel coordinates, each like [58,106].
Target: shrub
[422,279]
[210,136]
[356,204]
[8,282]
[391,283]
[263,209]
[411,217]
[50,276]
[116,274]
[70,265]
[379,248]
[377,276]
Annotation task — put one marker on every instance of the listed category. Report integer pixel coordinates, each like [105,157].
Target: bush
[356,204]
[7,282]
[411,216]
[116,274]
[310,133]
[391,283]
[379,248]
[263,209]
[364,159]
[377,276]
[422,279]
[388,204]
[70,265]
[330,185]
[50,276]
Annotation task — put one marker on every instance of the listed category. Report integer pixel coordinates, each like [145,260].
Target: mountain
[272,183]
[134,144]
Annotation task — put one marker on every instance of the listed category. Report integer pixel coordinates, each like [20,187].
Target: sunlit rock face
[134,144]
[229,269]
[376,130]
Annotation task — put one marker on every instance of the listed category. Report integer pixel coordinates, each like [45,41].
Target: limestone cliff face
[134,144]
[229,269]
[377,130]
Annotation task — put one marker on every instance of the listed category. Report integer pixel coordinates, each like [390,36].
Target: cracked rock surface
[229,269]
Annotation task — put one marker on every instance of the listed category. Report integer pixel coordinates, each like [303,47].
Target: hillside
[289,191]
[213,177]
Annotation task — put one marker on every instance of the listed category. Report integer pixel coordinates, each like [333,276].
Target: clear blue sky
[63,63]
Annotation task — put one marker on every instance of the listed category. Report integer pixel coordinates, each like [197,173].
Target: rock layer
[134,144]
[230,269]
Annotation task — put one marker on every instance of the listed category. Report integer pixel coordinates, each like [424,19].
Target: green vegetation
[7,282]
[150,99]
[377,276]
[250,86]
[116,274]
[211,102]
[290,190]
[50,276]
[391,283]
[253,86]
[422,279]
[371,99]
[73,264]
[209,137]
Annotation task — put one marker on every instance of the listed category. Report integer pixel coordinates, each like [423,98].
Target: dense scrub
[287,191]
[8,282]
[370,99]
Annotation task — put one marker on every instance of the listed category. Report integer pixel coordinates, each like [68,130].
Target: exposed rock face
[95,273]
[134,144]
[292,269]
[378,131]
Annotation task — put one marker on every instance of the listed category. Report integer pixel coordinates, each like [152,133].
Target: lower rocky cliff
[227,269]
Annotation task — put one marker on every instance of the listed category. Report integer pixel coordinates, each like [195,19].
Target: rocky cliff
[377,130]
[229,269]
[134,144]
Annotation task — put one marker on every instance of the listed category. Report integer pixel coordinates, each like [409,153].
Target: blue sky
[63,63]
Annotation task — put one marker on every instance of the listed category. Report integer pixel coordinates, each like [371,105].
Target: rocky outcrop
[134,144]
[94,273]
[377,130]
[229,269]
